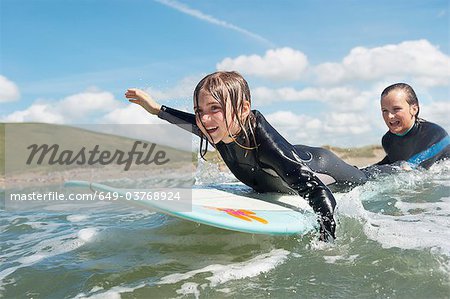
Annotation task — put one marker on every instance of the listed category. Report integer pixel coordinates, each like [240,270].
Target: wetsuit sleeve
[277,153]
[179,118]
[384,161]
[384,143]
[383,167]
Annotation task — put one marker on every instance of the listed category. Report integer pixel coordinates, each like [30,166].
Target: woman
[410,139]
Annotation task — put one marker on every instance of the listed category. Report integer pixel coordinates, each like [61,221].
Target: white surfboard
[246,212]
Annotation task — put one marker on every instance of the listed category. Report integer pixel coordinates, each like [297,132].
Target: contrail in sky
[210,19]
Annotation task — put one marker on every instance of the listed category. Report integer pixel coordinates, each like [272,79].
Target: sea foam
[418,205]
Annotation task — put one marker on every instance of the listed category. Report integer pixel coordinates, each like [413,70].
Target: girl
[410,138]
[252,149]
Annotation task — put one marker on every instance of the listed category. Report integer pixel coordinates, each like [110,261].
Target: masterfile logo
[140,153]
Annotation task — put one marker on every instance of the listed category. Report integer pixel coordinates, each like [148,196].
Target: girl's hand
[143,99]
[405,166]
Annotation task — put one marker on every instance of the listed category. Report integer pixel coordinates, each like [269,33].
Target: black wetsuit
[425,144]
[276,165]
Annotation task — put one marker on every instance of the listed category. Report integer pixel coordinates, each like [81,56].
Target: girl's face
[398,115]
[210,118]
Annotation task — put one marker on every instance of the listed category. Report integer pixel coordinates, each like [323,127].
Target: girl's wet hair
[411,97]
[224,86]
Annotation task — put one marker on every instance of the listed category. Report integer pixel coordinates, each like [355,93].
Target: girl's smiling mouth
[211,130]
[394,123]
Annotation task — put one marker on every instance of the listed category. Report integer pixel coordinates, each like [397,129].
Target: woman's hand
[143,99]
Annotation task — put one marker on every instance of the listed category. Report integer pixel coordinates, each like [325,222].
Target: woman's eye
[215,108]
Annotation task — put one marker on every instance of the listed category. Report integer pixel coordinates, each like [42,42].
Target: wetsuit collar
[407,131]
[239,137]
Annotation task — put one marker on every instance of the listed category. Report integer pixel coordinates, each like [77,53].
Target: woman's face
[398,115]
[210,118]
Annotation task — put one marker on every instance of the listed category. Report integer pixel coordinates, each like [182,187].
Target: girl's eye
[215,108]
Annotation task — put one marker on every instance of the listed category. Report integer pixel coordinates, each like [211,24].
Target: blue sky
[316,68]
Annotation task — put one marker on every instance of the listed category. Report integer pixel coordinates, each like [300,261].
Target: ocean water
[393,241]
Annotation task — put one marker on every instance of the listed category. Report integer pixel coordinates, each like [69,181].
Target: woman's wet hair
[228,86]
[411,97]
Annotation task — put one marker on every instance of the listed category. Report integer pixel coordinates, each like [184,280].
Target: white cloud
[347,123]
[341,129]
[340,98]
[75,108]
[8,90]
[306,94]
[436,112]
[278,64]
[36,113]
[289,120]
[297,129]
[79,105]
[419,61]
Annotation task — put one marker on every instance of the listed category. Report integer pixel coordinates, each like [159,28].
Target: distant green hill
[2,149]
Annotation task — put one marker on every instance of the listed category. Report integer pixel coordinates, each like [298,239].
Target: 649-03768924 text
[98,195]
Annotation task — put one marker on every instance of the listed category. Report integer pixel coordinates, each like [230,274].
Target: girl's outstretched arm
[171,115]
